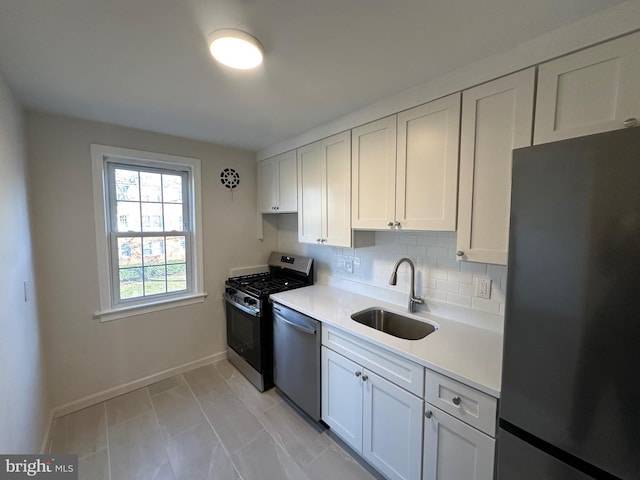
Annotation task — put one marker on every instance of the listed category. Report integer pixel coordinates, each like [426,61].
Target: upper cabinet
[277,182]
[324,190]
[496,118]
[591,91]
[405,169]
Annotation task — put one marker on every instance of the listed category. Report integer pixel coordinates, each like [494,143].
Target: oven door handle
[310,331]
[251,312]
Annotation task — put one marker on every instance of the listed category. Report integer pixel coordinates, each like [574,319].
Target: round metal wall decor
[230,178]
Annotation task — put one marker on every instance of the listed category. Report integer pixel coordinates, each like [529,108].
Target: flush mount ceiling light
[235,49]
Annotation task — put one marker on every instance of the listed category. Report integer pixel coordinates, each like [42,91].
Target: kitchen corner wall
[87,357]
[24,406]
[439,277]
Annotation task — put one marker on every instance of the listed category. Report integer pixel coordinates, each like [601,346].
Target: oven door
[244,334]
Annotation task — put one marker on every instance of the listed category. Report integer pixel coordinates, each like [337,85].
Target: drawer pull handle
[456,401]
[428,413]
[365,378]
[358,373]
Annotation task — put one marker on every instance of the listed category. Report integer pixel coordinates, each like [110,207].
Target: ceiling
[145,63]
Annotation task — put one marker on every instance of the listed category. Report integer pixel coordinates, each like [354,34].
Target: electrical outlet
[348,264]
[483,287]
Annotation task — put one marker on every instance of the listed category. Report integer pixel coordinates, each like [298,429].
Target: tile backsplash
[439,277]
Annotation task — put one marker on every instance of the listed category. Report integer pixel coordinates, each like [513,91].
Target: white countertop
[465,353]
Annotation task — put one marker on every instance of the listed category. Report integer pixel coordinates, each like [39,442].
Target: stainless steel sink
[394,323]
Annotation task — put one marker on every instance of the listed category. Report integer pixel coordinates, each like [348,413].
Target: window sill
[130,311]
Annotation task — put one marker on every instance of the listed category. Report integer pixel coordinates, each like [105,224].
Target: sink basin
[393,323]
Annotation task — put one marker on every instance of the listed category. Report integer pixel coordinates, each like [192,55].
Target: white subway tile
[435,295]
[489,306]
[460,277]
[457,299]
[473,267]
[438,252]
[448,286]
[466,289]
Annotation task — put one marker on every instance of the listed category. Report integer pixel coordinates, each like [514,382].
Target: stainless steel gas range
[249,315]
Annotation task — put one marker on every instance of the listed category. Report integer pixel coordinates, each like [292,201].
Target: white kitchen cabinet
[459,430]
[277,182]
[405,169]
[391,428]
[453,450]
[378,419]
[496,118]
[342,397]
[373,174]
[324,191]
[427,165]
[590,91]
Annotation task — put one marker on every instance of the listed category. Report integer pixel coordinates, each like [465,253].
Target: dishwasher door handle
[303,329]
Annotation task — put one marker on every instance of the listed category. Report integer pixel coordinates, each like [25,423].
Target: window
[147,210]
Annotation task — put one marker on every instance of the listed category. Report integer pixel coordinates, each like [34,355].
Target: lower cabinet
[453,450]
[376,418]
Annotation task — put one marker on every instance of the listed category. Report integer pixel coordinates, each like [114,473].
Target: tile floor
[209,423]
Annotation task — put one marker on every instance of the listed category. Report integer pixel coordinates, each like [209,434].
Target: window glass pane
[129,252]
[176,277]
[131,283]
[155,280]
[128,216]
[151,217]
[171,188]
[150,187]
[173,217]
[176,249]
[127,187]
[154,251]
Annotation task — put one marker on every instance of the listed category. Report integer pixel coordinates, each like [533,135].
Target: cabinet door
[453,450]
[373,173]
[342,397]
[268,184]
[392,428]
[427,165]
[337,203]
[496,118]
[287,183]
[591,91]
[311,166]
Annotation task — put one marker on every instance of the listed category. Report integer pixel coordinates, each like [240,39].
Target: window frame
[111,307]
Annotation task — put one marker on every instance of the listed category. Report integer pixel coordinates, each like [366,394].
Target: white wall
[23,398]
[440,279]
[612,22]
[85,356]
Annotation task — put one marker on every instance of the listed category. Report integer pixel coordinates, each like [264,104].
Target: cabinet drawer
[396,369]
[465,403]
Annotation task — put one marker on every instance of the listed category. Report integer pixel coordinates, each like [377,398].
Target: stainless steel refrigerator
[570,401]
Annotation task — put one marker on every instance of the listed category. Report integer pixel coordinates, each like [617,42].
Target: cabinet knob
[460,253]
[396,225]
[428,414]
[365,378]
[390,224]
[358,373]
[631,122]
[456,400]
[319,240]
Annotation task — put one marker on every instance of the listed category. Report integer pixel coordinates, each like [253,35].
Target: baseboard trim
[44,446]
[131,386]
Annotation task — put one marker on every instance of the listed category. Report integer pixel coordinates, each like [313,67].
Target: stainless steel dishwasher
[296,358]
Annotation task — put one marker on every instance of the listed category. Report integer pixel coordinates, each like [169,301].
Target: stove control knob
[249,301]
[230,290]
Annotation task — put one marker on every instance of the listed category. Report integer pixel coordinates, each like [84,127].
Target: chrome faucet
[413,300]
